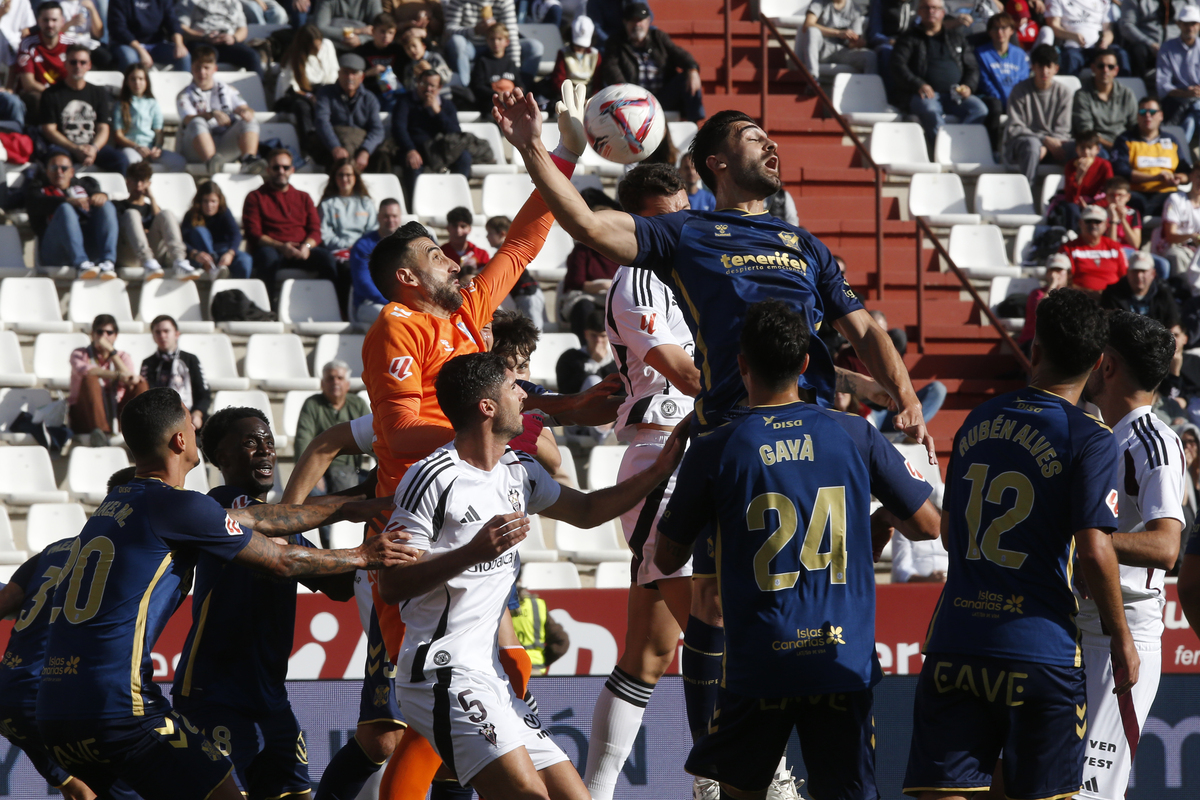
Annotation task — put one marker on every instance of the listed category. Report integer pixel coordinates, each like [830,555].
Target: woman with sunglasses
[103,380]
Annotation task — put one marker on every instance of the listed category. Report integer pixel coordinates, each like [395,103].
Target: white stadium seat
[88,470]
[235,188]
[682,133]
[567,469]
[1005,200]
[12,365]
[9,554]
[862,99]
[276,362]
[1135,85]
[256,291]
[112,80]
[1051,184]
[533,547]
[12,403]
[555,575]
[12,252]
[612,575]
[384,186]
[293,401]
[312,183]
[1002,288]
[179,300]
[111,183]
[899,147]
[52,357]
[252,398]
[91,297]
[591,546]
[311,307]
[940,199]
[215,352]
[1177,131]
[285,132]
[138,345]
[345,347]
[490,134]
[503,195]
[434,195]
[551,263]
[603,464]
[28,477]
[965,149]
[48,523]
[587,181]
[1070,81]
[250,86]
[545,357]
[197,478]
[979,251]
[31,305]
[550,37]
[787,12]
[174,192]
[1022,247]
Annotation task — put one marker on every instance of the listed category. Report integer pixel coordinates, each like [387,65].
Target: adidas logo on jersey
[1091,785]
[472,516]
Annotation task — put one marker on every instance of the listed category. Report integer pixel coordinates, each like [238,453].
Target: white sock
[616,721]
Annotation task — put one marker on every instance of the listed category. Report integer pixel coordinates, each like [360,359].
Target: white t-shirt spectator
[221,97]
[1178,209]
[1085,17]
[19,17]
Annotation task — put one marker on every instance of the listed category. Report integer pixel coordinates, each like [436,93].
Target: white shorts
[640,523]
[472,718]
[1114,723]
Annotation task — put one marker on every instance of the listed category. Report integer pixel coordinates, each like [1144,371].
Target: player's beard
[753,176]
[445,295]
[509,427]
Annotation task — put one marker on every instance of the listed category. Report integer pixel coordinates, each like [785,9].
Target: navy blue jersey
[119,587]
[232,657]
[718,263]
[1027,471]
[790,488]
[21,668]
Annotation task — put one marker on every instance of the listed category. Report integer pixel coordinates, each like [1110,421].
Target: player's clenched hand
[595,406]
[388,550]
[519,118]
[1125,663]
[365,510]
[501,532]
[911,420]
[570,117]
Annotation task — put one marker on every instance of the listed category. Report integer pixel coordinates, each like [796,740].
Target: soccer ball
[624,123]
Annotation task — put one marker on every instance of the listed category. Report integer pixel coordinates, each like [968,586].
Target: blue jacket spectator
[420,123]
[368,301]
[154,26]
[347,116]
[212,235]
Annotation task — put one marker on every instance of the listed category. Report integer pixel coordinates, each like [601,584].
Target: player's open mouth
[265,470]
[772,163]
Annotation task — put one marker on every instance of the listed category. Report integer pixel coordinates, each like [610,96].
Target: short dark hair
[217,427]
[384,21]
[711,138]
[427,73]
[162,317]
[48,6]
[513,334]
[1144,344]
[498,224]
[105,319]
[645,181]
[774,342]
[391,201]
[465,380]
[1043,55]
[598,199]
[77,47]
[120,478]
[141,171]
[1107,51]
[594,321]
[391,254]
[996,20]
[1071,331]
[204,54]
[280,151]
[149,420]
[1145,101]
[1116,183]
[459,214]
[1088,138]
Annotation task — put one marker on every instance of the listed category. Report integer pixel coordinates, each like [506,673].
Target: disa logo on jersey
[1111,501]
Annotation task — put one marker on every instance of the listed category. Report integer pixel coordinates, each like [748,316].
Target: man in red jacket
[1096,260]
[283,228]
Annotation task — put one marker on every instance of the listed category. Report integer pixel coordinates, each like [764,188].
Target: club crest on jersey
[514,497]
[441,658]
[1111,501]
[669,409]
[722,230]
[790,239]
[488,731]
[400,368]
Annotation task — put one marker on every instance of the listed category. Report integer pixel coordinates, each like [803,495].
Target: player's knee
[377,740]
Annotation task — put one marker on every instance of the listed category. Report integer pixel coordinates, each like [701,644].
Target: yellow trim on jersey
[744,212]
[187,673]
[397,722]
[701,652]
[289,794]
[706,371]
[64,783]
[218,786]
[704,574]
[139,639]
[720,593]
[932,620]
[948,789]
[1075,613]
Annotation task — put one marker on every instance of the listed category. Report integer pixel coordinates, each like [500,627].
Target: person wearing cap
[833,34]
[1058,276]
[1096,260]
[644,55]
[1177,239]
[577,61]
[347,116]
[1178,78]
[1140,292]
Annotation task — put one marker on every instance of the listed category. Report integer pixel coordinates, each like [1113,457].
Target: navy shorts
[704,553]
[158,755]
[748,735]
[379,703]
[972,710]
[277,767]
[19,726]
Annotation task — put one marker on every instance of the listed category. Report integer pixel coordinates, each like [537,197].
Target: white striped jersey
[442,502]
[1150,485]
[642,314]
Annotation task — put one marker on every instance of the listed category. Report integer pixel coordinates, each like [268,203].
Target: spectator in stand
[525,296]
[103,380]
[467,25]
[1106,107]
[220,24]
[309,63]
[345,22]
[75,115]
[320,412]
[1058,276]
[1154,161]
[1143,32]
[347,117]
[86,24]
[385,60]
[15,22]
[73,219]
[146,31]
[270,12]
[1001,67]
[1178,77]
[644,55]
[589,275]
[420,125]
[282,227]
[1125,223]
[1086,178]
[1142,293]
[781,206]
[172,368]
[577,61]
[40,57]
[699,196]
[420,59]
[1079,27]
[1096,260]
[462,252]
[138,123]
[212,235]
[1179,235]
[581,369]
[216,123]
[934,68]
[1180,390]
[368,301]
[606,14]
[494,71]
[149,233]
[918,562]
[833,34]
[886,21]
[1039,118]
[347,211]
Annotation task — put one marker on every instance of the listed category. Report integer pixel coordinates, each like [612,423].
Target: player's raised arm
[1098,562]
[293,561]
[315,460]
[608,232]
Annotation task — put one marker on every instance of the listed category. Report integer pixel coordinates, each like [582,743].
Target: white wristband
[565,154]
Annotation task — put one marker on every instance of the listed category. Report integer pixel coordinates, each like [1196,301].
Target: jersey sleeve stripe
[439,514]
[186,689]
[419,478]
[418,667]
[426,480]
[1152,441]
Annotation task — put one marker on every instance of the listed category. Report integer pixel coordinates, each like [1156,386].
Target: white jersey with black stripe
[1150,485]
[442,502]
[641,314]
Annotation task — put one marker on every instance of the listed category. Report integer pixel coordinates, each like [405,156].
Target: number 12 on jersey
[829,512]
[989,545]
